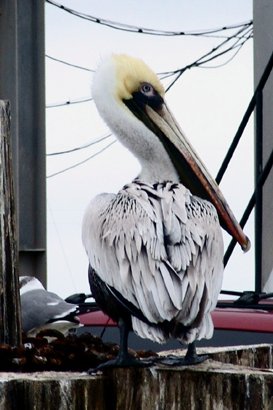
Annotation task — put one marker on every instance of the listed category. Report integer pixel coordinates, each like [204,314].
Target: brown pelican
[155,249]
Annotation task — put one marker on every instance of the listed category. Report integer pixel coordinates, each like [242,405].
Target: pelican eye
[145,95]
[147,89]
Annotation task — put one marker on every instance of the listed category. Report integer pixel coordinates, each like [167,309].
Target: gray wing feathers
[39,306]
[161,248]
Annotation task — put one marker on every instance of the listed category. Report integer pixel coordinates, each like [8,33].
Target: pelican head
[130,98]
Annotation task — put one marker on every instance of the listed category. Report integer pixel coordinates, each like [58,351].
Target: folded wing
[161,248]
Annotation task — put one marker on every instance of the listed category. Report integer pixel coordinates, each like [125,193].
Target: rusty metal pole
[10,311]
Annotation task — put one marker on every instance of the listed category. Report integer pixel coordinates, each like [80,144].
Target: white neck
[158,169]
[133,134]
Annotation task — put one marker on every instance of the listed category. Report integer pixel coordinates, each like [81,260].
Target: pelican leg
[190,358]
[124,358]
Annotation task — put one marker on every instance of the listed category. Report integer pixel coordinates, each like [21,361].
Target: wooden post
[245,384]
[10,312]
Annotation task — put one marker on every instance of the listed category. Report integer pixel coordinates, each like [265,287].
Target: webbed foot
[172,360]
[122,362]
[191,358]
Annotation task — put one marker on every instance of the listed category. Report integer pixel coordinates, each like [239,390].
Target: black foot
[122,362]
[191,358]
[184,361]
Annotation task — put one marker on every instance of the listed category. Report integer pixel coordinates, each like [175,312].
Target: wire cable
[62,247]
[89,144]
[243,35]
[207,57]
[69,102]
[58,60]
[81,162]
[228,60]
[239,42]
[198,62]
[142,30]
[239,38]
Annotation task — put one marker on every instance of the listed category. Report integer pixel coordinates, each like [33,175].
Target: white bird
[155,249]
[39,307]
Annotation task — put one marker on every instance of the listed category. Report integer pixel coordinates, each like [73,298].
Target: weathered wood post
[10,312]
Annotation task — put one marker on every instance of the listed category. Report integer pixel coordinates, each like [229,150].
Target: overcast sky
[207,102]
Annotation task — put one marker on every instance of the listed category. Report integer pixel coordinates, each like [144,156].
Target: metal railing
[261,173]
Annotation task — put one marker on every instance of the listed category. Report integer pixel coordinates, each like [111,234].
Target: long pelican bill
[192,172]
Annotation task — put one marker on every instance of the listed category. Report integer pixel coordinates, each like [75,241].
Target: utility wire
[241,36]
[70,102]
[206,58]
[229,59]
[232,47]
[142,30]
[81,162]
[239,42]
[203,59]
[58,60]
[68,151]
[63,251]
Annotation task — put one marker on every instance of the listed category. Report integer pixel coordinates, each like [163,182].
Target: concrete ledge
[231,379]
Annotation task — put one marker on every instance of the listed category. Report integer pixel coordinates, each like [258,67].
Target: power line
[63,251]
[239,38]
[69,64]
[142,30]
[81,162]
[69,102]
[242,35]
[209,56]
[68,151]
[58,60]
[239,42]
[239,46]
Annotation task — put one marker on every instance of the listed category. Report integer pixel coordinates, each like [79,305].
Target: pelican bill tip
[246,245]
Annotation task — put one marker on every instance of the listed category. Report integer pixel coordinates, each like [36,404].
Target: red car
[243,321]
